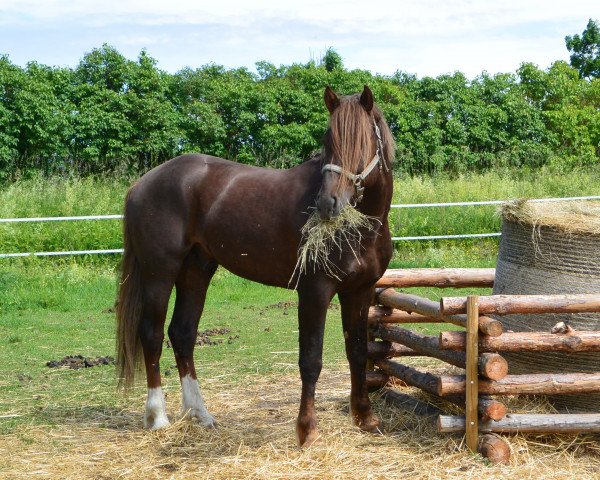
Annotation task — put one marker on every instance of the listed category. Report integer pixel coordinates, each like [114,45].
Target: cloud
[389,16]
[421,36]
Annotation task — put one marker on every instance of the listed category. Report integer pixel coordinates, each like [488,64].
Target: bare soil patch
[75,362]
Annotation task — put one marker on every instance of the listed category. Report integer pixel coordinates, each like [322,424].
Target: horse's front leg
[355,308]
[313,300]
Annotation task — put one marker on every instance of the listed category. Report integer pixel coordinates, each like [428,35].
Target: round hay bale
[551,248]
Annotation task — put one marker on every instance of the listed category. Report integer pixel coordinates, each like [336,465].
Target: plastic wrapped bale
[551,248]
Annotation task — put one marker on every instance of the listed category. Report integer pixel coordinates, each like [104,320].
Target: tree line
[112,114]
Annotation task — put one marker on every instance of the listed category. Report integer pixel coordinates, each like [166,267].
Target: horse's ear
[366,99]
[331,99]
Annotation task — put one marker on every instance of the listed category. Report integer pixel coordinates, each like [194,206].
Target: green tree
[332,60]
[35,112]
[157,135]
[111,113]
[125,114]
[11,78]
[194,94]
[585,50]
[103,130]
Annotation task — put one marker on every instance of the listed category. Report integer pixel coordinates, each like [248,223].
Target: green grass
[40,197]
[57,197]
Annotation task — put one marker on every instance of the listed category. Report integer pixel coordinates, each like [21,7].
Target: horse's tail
[129,312]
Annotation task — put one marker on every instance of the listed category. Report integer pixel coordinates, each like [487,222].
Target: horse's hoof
[307,433]
[370,424]
[313,438]
[156,423]
[203,418]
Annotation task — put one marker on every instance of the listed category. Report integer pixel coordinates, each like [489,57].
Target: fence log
[488,407]
[491,409]
[526,342]
[379,314]
[409,303]
[428,308]
[528,423]
[509,304]
[490,365]
[427,345]
[488,326]
[533,384]
[411,376]
[376,380]
[409,403]
[494,448]
[438,277]
[385,349]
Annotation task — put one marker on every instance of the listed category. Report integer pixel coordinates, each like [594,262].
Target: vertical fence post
[472,387]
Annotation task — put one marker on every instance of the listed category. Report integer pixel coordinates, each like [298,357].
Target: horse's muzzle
[328,206]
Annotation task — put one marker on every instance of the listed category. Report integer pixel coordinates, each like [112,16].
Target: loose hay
[256,441]
[322,238]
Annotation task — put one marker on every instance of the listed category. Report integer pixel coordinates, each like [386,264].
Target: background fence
[394,206]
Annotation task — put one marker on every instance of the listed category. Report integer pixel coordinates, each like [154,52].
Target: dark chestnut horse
[195,212]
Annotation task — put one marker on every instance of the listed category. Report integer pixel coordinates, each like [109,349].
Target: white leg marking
[193,403]
[156,410]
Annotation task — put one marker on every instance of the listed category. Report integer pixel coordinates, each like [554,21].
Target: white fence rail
[61,254]
[489,202]
[396,206]
[60,219]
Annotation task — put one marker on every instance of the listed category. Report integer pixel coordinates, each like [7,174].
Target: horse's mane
[351,132]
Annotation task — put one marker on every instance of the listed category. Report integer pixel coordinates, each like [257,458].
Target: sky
[421,37]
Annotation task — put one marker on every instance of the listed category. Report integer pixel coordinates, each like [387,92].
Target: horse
[195,212]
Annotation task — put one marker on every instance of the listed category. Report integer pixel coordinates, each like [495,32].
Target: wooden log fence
[438,277]
[532,384]
[526,342]
[490,365]
[528,423]
[509,304]
[430,309]
[477,349]
[487,407]
[385,349]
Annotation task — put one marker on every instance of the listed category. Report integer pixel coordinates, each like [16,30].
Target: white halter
[357,178]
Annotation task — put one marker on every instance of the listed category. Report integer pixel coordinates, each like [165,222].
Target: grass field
[60,197]
[62,423]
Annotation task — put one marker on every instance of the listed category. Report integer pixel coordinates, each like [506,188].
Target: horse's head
[354,151]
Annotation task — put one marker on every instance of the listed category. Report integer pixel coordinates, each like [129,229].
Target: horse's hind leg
[151,332]
[191,286]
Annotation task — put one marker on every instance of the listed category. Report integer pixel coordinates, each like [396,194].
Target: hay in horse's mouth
[321,237]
